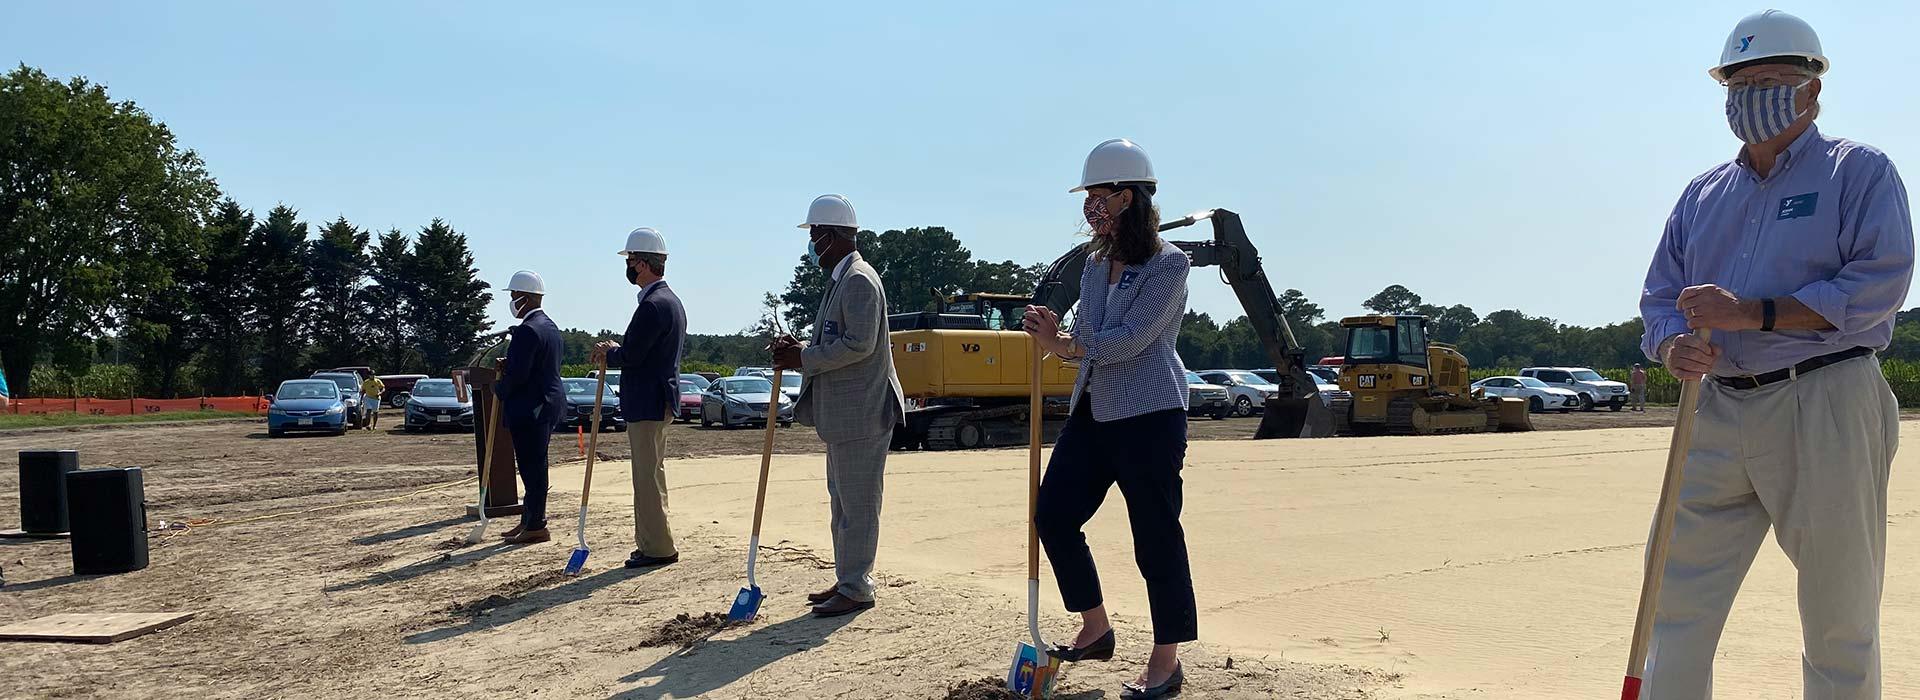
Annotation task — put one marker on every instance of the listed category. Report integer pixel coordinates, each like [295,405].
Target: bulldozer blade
[1295,417]
[1514,417]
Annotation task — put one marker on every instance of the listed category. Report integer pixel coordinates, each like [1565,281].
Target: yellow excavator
[1400,383]
[964,367]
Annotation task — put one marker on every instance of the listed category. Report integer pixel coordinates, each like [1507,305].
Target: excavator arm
[1298,410]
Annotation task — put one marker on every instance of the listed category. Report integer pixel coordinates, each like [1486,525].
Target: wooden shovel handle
[593,431]
[1663,528]
[1034,423]
[766,452]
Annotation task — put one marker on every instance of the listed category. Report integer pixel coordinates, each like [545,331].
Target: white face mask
[521,307]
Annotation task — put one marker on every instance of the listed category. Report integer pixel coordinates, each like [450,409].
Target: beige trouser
[1810,457]
[651,534]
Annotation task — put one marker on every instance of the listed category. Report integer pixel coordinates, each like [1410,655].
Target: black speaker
[43,489]
[107,512]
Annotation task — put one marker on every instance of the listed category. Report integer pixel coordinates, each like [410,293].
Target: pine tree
[222,326]
[337,264]
[389,322]
[280,295]
[446,299]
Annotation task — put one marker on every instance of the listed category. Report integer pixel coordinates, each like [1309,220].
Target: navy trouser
[530,436]
[1143,455]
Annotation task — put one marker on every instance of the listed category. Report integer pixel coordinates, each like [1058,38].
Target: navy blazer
[530,388]
[649,357]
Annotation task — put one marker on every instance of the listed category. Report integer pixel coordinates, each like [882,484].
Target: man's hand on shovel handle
[1689,358]
[786,354]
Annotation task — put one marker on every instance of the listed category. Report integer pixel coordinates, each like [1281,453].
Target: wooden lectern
[503,491]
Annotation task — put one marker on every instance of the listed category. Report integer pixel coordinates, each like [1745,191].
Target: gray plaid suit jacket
[849,390]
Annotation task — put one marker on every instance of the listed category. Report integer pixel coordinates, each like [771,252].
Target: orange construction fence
[128,407]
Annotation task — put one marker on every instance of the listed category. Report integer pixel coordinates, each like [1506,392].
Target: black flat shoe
[1100,650]
[1170,686]
[639,561]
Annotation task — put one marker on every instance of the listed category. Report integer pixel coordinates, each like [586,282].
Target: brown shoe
[823,596]
[840,605]
[515,532]
[531,537]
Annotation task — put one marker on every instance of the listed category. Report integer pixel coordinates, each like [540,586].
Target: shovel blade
[746,604]
[479,532]
[1033,672]
[576,561]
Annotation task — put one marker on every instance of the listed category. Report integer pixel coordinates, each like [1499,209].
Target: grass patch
[61,420]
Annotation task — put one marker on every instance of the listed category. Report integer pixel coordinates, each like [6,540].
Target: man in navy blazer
[649,363]
[531,399]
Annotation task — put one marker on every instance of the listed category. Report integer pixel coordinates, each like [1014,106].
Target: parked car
[349,384]
[1250,391]
[690,393]
[753,372]
[360,371]
[434,404]
[613,379]
[739,400]
[1594,390]
[399,388]
[1326,380]
[1539,395]
[1205,399]
[698,380]
[711,377]
[307,405]
[790,385]
[580,406]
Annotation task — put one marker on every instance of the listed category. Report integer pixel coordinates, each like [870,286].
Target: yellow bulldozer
[1400,383]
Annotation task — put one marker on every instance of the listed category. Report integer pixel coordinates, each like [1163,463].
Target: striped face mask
[1757,114]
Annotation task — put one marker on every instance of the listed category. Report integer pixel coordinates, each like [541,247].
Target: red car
[689,409]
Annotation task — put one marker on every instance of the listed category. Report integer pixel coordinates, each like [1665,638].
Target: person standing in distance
[532,400]
[1796,254]
[1128,424]
[649,363]
[849,394]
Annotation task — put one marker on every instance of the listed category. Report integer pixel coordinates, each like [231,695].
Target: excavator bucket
[1297,417]
[1513,416]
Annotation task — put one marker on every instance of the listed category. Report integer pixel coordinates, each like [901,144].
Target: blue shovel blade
[577,560]
[746,605]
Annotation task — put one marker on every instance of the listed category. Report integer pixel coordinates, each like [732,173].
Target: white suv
[1250,391]
[1594,390]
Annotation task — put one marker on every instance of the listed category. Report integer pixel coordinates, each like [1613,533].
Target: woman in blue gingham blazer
[1129,418]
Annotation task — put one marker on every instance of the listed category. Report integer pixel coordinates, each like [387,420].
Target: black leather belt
[1759,380]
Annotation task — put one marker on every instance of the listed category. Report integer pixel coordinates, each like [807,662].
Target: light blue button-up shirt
[1829,226]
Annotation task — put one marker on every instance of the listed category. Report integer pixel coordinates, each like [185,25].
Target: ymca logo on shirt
[831,328]
[1127,277]
[1798,206]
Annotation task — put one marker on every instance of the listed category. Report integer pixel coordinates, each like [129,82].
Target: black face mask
[633,274]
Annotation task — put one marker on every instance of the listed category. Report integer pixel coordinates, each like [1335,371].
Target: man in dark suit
[649,365]
[531,400]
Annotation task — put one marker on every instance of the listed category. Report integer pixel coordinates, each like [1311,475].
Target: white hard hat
[830,210]
[1115,161]
[527,281]
[645,240]
[1770,34]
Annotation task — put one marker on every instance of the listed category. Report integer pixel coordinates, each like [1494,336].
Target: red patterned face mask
[1097,215]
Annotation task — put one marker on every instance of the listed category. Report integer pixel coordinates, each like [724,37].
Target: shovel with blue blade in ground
[1034,670]
[578,560]
[746,604]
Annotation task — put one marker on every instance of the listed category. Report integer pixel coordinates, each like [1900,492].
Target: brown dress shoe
[840,605]
[515,532]
[531,537]
[823,596]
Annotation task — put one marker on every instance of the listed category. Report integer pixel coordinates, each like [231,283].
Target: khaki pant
[1808,457]
[651,533]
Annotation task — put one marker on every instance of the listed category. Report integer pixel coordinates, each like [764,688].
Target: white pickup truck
[1594,390]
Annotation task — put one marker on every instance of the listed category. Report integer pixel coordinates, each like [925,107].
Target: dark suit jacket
[531,388]
[649,357]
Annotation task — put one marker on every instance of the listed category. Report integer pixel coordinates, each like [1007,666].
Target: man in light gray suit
[850,395]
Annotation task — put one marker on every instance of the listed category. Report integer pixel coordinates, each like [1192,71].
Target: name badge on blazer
[830,328]
[1127,277]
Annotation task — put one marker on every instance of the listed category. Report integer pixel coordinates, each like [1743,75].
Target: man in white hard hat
[649,362]
[1796,254]
[532,399]
[850,395]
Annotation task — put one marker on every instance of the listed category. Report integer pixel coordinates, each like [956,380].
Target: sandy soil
[1490,566]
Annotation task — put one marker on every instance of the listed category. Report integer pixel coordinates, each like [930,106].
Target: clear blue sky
[1500,155]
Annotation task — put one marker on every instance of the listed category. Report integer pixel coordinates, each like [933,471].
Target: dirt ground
[1343,568]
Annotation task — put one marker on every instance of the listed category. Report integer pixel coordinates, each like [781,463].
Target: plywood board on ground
[90,628]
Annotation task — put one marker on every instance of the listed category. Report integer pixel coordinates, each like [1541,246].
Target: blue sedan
[307,405]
